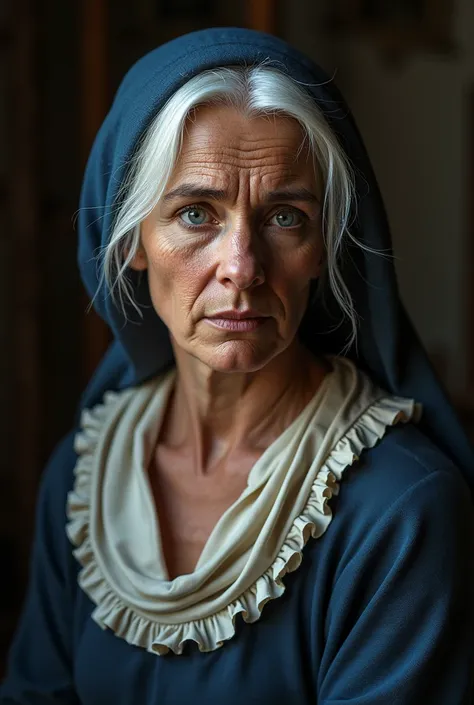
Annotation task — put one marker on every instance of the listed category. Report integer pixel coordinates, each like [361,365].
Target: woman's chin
[237,356]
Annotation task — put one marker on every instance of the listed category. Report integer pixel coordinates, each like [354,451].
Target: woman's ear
[139,261]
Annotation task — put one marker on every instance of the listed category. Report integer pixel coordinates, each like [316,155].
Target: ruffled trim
[211,632]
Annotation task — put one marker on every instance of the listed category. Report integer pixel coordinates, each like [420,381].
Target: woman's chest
[189,505]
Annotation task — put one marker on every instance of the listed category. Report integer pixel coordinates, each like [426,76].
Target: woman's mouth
[241,325]
[238,321]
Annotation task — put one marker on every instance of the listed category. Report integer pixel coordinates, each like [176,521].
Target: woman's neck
[216,416]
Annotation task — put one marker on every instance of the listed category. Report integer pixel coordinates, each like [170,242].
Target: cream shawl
[114,526]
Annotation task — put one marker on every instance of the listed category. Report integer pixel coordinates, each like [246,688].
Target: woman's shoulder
[57,481]
[405,469]
[403,497]
[406,456]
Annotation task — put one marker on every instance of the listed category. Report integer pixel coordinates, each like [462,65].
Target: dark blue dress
[381,610]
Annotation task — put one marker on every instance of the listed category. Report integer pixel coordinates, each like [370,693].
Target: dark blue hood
[387,348]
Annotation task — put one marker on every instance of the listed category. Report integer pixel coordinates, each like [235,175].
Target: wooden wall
[60,63]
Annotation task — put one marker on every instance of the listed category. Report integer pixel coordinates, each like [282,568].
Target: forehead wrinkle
[203,177]
[272,162]
[223,169]
[230,136]
[277,177]
[279,180]
[243,162]
[259,143]
[226,150]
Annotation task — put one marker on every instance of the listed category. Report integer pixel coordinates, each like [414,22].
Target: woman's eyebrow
[193,191]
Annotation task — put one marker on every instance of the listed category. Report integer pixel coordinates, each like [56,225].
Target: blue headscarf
[388,347]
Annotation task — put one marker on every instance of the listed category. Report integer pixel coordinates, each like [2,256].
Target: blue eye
[194,216]
[286,219]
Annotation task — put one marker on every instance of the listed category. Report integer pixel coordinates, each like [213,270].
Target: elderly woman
[190,546]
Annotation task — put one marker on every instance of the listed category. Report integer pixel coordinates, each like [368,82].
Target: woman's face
[234,242]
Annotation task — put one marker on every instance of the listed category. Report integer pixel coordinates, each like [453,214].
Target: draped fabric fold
[258,539]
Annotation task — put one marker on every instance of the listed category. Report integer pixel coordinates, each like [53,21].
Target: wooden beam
[94,70]
[94,101]
[470,249]
[262,15]
[26,260]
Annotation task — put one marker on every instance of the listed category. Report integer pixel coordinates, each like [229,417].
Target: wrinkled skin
[238,228]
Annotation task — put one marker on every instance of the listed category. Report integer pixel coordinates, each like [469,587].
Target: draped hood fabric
[387,346]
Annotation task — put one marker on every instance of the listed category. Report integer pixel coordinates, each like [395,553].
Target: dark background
[407,70]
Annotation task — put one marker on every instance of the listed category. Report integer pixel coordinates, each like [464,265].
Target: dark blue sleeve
[400,625]
[40,660]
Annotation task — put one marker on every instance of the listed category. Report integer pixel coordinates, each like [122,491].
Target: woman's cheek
[184,243]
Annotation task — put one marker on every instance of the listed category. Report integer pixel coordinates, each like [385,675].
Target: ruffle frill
[212,631]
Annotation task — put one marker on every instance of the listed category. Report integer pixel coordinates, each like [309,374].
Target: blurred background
[406,68]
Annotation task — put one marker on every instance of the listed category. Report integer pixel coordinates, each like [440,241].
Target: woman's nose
[240,262]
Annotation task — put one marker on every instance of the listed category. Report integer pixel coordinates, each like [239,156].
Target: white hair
[255,91]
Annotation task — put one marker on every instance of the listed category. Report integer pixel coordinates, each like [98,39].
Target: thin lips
[238,315]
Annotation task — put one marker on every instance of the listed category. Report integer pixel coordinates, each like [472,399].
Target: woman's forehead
[225,126]
[220,141]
